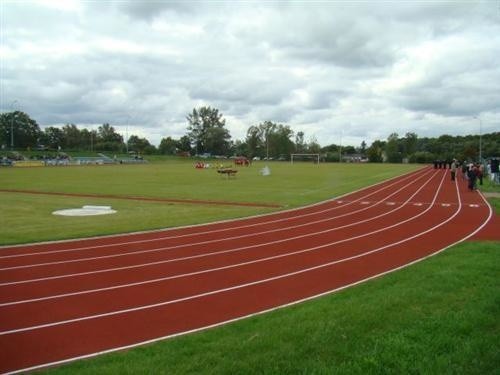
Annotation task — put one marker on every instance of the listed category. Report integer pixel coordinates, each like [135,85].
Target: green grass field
[440,316]
[27,218]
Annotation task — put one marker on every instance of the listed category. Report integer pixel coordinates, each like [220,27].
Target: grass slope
[437,317]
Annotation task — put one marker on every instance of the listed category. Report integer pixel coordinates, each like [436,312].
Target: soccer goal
[305,157]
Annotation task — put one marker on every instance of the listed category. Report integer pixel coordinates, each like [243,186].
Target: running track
[67,300]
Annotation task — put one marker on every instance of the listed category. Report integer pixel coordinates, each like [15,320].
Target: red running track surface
[67,300]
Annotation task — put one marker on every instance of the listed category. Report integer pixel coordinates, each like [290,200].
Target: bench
[228,172]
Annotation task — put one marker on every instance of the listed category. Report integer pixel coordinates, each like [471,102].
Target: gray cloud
[367,69]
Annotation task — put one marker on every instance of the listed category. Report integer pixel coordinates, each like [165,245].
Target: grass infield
[28,217]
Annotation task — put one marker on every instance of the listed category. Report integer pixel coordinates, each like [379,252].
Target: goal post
[302,157]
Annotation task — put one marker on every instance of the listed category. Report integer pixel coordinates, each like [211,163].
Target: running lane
[69,300]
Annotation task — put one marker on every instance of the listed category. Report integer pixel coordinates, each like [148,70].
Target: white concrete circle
[85,211]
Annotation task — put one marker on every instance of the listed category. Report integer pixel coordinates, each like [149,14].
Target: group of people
[470,172]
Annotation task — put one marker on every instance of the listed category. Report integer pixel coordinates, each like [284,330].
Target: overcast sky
[340,71]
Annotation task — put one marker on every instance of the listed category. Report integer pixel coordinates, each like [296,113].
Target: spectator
[453,169]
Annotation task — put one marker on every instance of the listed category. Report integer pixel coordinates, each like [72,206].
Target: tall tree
[207,131]
[268,137]
[25,131]
[410,143]
[392,149]
[168,146]
[313,146]
[282,140]
[375,152]
[140,145]
[362,149]
[240,148]
[217,140]
[254,141]
[185,144]
[300,145]
[87,139]
[108,139]
[52,137]
[71,137]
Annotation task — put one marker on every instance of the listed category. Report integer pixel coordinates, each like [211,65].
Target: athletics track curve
[75,299]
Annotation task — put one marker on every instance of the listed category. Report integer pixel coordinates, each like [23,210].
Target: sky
[342,72]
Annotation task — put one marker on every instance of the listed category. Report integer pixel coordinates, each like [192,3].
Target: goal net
[305,157]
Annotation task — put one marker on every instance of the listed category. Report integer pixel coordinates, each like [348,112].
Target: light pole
[12,126]
[480,138]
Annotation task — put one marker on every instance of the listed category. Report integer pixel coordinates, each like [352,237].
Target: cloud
[367,69]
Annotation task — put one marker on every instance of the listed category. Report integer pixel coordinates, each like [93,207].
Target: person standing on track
[465,170]
[480,173]
[453,169]
[472,175]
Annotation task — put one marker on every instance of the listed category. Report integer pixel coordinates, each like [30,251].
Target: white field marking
[418,204]
[410,175]
[241,286]
[445,204]
[120,286]
[216,252]
[391,203]
[473,205]
[146,342]
[165,248]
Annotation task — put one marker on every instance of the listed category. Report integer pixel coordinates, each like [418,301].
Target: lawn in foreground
[438,316]
[28,218]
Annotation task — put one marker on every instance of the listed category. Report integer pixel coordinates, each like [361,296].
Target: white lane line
[165,248]
[236,287]
[232,265]
[410,175]
[223,251]
[199,329]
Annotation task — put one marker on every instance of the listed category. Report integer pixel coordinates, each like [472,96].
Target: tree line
[207,134]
